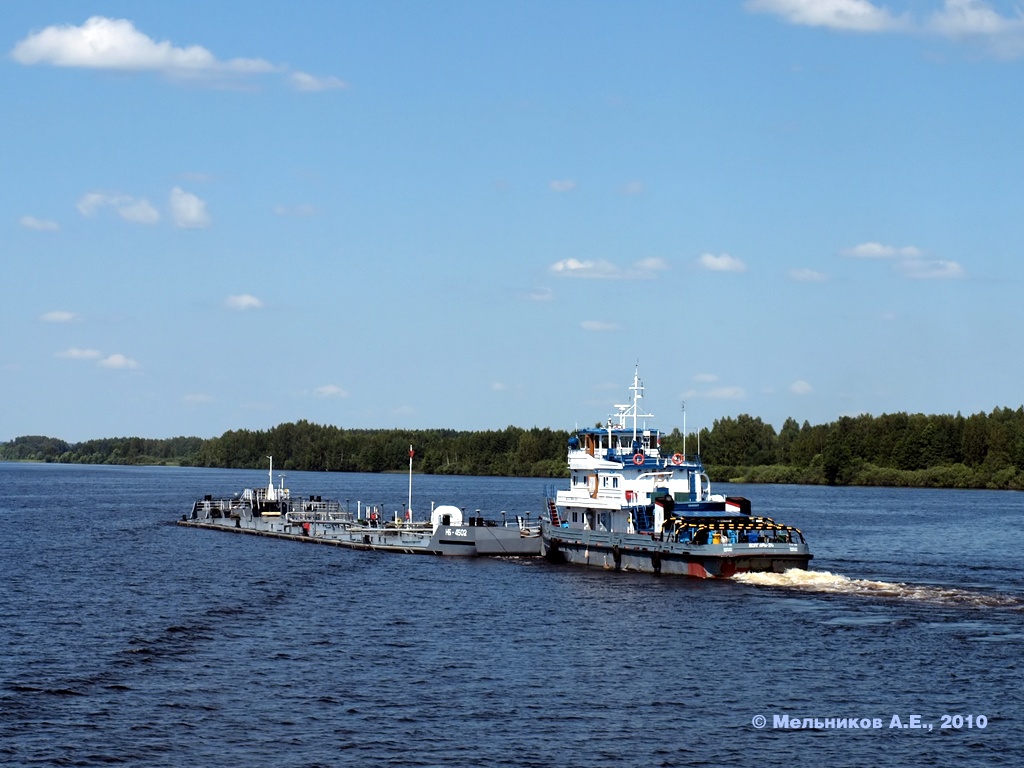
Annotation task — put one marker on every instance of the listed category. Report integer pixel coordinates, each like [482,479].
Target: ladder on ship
[553,512]
[643,518]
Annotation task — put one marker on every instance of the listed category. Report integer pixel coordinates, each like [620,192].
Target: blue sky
[471,215]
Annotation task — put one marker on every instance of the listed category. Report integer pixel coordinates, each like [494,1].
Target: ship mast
[633,409]
[409,515]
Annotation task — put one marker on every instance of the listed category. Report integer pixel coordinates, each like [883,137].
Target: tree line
[978,451]
[305,446]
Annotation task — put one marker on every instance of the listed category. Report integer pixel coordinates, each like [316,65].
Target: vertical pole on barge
[411,453]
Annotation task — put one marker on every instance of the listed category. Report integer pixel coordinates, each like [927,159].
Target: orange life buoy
[678,458]
[639,458]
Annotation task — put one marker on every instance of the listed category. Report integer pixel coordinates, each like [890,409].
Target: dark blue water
[126,640]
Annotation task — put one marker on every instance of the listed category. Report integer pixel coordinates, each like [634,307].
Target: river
[127,640]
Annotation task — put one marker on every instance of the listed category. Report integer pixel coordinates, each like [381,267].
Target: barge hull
[465,541]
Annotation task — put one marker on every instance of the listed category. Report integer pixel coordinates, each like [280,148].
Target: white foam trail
[823,581]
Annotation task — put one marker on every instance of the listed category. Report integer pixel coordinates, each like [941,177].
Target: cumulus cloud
[115,44]
[722,262]
[974,22]
[118,361]
[242,302]
[562,185]
[330,390]
[605,270]
[137,210]
[577,268]
[880,251]
[302,81]
[102,43]
[58,316]
[91,202]
[852,15]
[652,264]
[79,354]
[39,225]
[910,261]
[800,387]
[188,210]
[931,269]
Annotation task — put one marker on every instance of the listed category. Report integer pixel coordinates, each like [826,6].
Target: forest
[941,451]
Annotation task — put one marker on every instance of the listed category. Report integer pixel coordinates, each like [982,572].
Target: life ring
[639,458]
[678,458]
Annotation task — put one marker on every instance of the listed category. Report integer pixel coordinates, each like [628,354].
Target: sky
[473,215]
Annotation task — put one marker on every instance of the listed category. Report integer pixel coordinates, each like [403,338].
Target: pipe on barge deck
[302,539]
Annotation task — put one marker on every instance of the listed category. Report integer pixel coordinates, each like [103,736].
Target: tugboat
[629,508]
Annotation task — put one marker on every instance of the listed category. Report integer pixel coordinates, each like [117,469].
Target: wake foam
[823,581]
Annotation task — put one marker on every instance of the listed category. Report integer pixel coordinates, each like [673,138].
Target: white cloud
[498,386]
[139,211]
[562,185]
[197,398]
[931,269]
[974,22]
[800,387]
[115,44]
[188,210]
[804,275]
[330,390]
[242,302]
[721,263]
[705,378]
[102,43]
[93,201]
[58,316]
[634,188]
[79,354]
[118,361]
[40,225]
[652,264]
[577,268]
[880,251]
[851,15]
[909,260]
[971,17]
[598,326]
[601,269]
[303,81]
